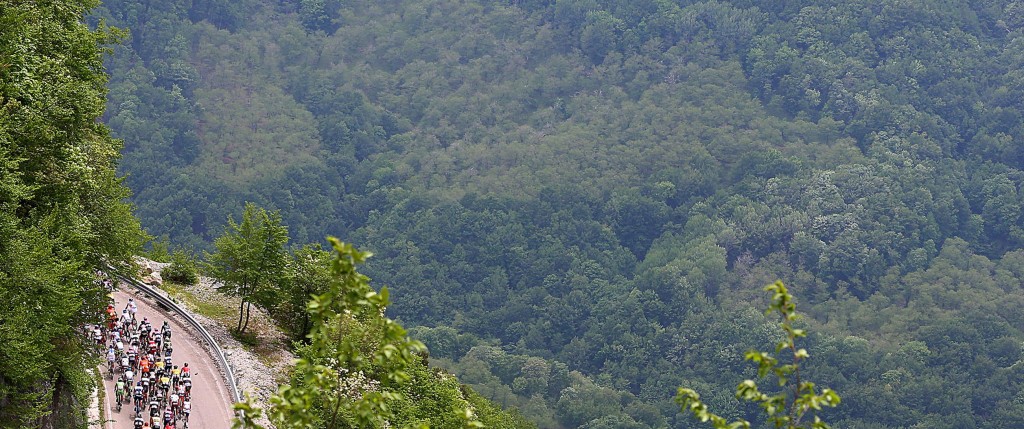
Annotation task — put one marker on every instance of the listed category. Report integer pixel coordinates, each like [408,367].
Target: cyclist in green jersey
[119,393]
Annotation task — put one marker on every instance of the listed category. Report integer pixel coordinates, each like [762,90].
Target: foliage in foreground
[62,209]
[360,369]
[796,398]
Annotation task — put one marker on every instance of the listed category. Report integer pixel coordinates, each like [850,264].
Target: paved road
[211,400]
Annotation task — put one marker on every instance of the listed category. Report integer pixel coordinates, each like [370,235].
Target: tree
[182,269]
[250,260]
[797,398]
[309,272]
[356,360]
[62,209]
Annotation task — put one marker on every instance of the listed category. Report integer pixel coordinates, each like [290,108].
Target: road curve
[211,399]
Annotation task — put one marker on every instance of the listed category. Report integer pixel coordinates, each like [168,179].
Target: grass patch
[265,348]
[101,394]
[218,311]
[248,339]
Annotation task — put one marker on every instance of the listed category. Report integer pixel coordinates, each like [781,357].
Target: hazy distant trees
[591,182]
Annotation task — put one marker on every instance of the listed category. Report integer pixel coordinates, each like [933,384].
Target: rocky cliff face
[150,270]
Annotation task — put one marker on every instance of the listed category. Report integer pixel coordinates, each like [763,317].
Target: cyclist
[184,370]
[186,409]
[138,396]
[175,402]
[188,388]
[165,383]
[168,416]
[97,334]
[138,422]
[175,374]
[111,357]
[119,392]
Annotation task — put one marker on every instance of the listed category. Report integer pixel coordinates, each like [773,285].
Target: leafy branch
[797,399]
[355,360]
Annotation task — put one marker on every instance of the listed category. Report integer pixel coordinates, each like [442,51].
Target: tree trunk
[248,308]
[241,305]
[305,326]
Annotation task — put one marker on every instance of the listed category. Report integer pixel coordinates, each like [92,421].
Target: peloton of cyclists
[139,359]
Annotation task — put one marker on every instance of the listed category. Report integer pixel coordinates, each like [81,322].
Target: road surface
[211,400]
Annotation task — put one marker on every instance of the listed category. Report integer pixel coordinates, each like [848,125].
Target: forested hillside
[577,202]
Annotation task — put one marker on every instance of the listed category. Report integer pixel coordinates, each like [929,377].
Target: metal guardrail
[217,352]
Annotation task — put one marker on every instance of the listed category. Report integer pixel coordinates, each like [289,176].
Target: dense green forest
[576,202]
[63,212]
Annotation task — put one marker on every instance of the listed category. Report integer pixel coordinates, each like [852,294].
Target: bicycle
[120,398]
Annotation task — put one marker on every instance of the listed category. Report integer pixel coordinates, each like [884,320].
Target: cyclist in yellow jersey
[175,375]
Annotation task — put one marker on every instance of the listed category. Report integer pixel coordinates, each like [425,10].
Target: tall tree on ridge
[250,260]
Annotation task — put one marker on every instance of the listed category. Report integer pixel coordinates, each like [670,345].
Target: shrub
[183,268]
